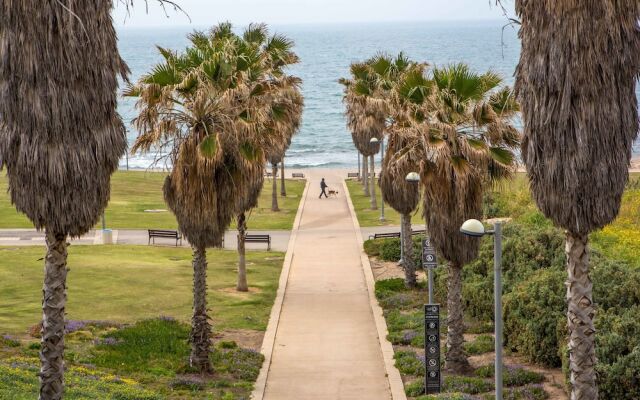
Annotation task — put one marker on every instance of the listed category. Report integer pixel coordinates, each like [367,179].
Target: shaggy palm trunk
[582,332]
[54,298]
[274,193]
[283,188]
[200,329]
[242,262]
[365,175]
[374,200]
[455,358]
[407,251]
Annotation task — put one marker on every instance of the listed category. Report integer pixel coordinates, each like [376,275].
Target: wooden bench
[395,235]
[269,175]
[259,239]
[297,175]
[353,175]
[160,233]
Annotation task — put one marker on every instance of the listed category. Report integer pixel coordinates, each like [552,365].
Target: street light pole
[475,228]
[382,219]
[497,288]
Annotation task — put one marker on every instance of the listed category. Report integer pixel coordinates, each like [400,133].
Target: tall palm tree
[284,111]
[207,107]
[580,120]
[402,196]
[366,117]
[465,142]
[60,137]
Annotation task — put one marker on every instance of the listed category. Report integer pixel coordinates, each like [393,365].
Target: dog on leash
[333,193]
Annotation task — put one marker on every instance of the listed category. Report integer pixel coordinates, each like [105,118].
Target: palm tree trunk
[407,251]
[200,328]
[242,263]
[455,358]
[365,175]
[582,332]
[374,200]
[54,298]
[283,188]
[274,194]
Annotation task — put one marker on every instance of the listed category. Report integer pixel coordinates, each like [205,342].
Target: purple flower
[409,336]
[72,326]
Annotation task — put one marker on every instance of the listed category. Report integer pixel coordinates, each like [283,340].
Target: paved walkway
[30,237]
[326,344]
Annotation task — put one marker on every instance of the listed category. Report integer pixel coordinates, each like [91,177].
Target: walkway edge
[269,340]
[393,375]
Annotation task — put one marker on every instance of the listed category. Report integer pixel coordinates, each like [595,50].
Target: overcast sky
[209,12]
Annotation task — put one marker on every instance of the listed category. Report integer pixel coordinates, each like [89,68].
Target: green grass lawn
[130,283]
[128,315]
[368,217]
[133,192]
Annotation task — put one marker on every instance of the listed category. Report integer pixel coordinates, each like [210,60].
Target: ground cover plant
[147,360]
[133,192]
[534,291]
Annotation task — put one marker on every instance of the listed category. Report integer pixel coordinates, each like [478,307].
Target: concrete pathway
[326,344]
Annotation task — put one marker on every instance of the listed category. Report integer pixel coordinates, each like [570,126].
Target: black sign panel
[433,381]
[428,254]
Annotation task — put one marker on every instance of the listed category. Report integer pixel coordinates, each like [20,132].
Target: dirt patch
[245,338]
[389,270]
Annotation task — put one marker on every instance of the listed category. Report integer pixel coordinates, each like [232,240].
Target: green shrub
[409,363]
[621,379]
[372,247]
[532,312]
[512,376]
[466,384]
[415,388]
[390,250]
[240,363]
[482,344]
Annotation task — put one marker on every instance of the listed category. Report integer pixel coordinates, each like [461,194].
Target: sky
[210,12]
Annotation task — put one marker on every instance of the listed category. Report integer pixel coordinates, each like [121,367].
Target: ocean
[326,51]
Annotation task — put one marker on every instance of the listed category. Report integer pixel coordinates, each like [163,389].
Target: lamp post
[475,228]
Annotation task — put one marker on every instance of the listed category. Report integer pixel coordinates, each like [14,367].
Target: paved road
[326,345]
[30,237]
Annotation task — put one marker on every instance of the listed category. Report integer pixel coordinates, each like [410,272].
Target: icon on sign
[432,338]
[432,325]
[432,363]
[430,258]
[433,374]
[433,350]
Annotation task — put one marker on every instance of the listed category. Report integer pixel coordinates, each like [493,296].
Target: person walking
[323,186]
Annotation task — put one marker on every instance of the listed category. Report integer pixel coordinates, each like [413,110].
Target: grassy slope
[132,192]
[129,283]
[368,217]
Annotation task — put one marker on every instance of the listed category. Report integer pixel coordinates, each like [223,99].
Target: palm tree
[284,106]
[366,117]
[60,138]
[580,120]
[465,142]
[207,107]
[402,196]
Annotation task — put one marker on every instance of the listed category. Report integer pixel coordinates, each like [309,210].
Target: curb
[393,375]
[268,342]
